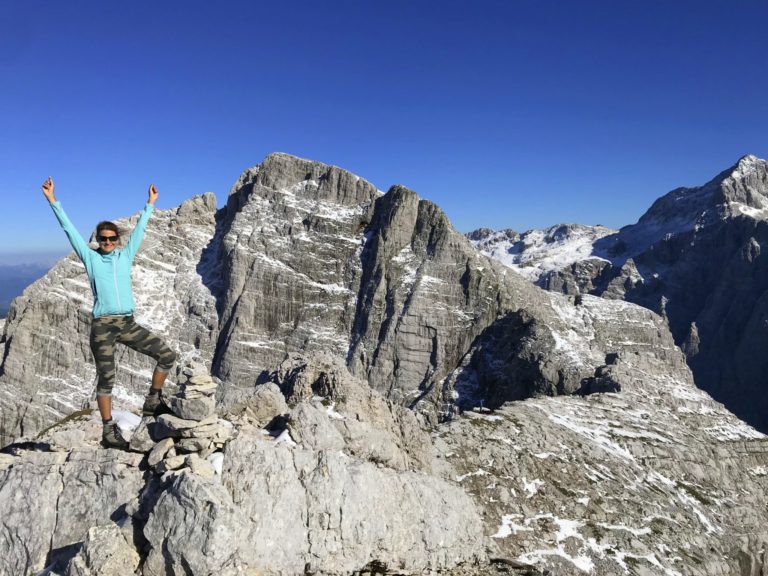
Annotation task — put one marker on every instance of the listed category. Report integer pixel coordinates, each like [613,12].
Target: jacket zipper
[117,291]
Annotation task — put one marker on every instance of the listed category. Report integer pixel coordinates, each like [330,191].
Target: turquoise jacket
[109,274]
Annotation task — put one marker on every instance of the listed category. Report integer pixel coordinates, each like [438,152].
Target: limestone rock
[193,527]
[276,505]
[142,440]
[201,382]
[310,426]
[6,461]
[200,466]
[169,425]
[221,434]
[344,413]
[630,472]
[159,451]
[582,277]
[626,280]
[105,552]
[170,463]
[262,403]
[51,499]
[195,408]
[185,445]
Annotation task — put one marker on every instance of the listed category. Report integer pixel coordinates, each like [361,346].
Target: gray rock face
[617,483]
[262,403]
[106,552]
[51,499]
[281,510]
[314,259]
[288,252]
[345,414]
[374,340]
[582,277]
[419,278]
[696,258]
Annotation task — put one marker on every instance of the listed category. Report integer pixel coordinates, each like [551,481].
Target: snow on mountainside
[397,403]
[536,252]
[731,193]
[697,257]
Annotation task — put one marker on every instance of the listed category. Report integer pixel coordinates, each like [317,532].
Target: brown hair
[107,225]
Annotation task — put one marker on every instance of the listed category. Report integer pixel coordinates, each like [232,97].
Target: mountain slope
[654,478]
[696,258]
[305,257]
[388,401]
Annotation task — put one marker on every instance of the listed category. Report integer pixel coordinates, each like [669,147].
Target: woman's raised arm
[138,231]
[78,244]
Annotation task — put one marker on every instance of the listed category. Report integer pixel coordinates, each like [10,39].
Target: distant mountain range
[697,257]
[14,278]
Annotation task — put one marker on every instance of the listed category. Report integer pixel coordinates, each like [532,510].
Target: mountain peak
[308,179]
[747,165]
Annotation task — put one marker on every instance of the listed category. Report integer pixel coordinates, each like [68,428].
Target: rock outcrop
[51,499]
[363,499]
[695,257]
[304,258]
[362,392]
[655,479]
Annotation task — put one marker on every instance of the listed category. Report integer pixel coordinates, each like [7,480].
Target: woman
[109,272]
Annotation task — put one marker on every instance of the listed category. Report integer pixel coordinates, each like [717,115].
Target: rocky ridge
[651,478]
[370,342]
[304,258]
[695,258]
[354,492]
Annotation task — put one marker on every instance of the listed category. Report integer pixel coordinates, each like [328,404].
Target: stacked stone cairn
[192,438]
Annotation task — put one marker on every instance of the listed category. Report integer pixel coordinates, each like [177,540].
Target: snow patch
[217,461]
[126,421]
[532,487]
[463,477]
[508,526]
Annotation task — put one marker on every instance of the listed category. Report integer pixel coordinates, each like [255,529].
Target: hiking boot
[154,405]
[111,437]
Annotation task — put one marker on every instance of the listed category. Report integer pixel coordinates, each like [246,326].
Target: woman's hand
[152,194]
[48,190]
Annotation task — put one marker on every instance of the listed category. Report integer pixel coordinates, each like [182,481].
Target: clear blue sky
[506,113]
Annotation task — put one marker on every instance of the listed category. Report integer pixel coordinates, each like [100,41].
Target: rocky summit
[360,391]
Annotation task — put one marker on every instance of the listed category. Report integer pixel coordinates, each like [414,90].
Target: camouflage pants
[107,331]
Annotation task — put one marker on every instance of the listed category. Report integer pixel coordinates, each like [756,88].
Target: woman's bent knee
[166,360]
[103,389]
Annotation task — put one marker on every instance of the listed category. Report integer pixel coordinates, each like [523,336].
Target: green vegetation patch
[79,415]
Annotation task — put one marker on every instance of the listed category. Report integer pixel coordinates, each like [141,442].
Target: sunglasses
[112,239]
